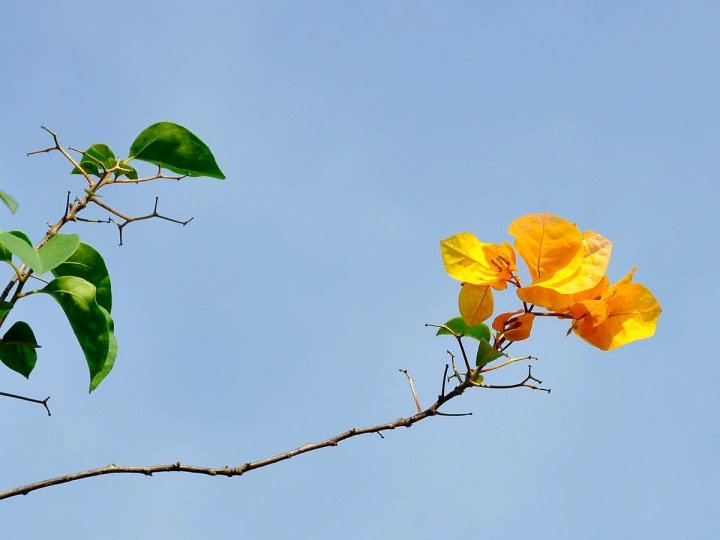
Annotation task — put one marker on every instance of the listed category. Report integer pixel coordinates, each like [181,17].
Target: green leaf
[175,148]
[86,263]
[42,260]
[5,253]
[91,324]
[98,156]
[17,349]
[9,201]
[486,354]
[459,326]
[478,379]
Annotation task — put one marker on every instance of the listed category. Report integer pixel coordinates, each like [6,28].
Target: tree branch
[157,176]
[64,152]
[432,410]
[412,389]
[128,219]
[42,402]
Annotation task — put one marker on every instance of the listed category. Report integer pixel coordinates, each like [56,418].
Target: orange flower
[567,268]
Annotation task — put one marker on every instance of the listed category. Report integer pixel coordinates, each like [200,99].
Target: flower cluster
[567,268]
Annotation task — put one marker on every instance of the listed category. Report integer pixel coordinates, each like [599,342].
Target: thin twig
[158,176]
[456,374]
[442,392]
[42,402]
[458,337]
[485,369]
[523,384]
[64,153]
[129,219]
[412,389]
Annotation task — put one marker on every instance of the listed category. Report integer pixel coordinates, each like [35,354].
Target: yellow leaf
[550,245]
[476,303]
[595,293]
[583,274]
[471,261]
[632,313]
[627,278]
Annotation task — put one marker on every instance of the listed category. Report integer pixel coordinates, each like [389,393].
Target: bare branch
[485,369]
[458,337]
[521,384]
[412,389]
[129,219]
[444,379]
[158,176]
[456,374]
[432,410]
[42,402]
[64,152]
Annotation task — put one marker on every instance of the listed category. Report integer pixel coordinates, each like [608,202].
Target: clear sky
[355,136]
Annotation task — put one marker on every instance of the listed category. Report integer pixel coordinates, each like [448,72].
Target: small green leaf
[9,201]
[18,246]
[91,324]
[86,263]
[5,253]
[459,326]
[17,349]
[98,156]
[175,148]
[478,379]
[486,354]
[42,260]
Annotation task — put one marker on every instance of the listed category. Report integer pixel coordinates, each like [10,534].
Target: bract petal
[597,292]
[627,278]
[632,314]
[544,297]
[471,261]
[476,303]
[557,292]
[551,246]
[499,321]
[514,327]
[595,310]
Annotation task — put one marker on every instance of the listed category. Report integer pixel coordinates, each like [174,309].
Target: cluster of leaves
[81,282]
[567,268]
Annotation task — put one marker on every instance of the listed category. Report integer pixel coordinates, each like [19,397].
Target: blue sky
[355,136]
